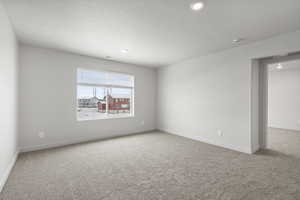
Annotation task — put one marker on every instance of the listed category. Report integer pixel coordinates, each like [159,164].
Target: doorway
[279,104]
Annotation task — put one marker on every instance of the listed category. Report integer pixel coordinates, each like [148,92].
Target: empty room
[150,100]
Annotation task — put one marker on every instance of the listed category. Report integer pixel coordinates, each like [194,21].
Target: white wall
[9,97]
[202,95]
[48,99]
[284,98]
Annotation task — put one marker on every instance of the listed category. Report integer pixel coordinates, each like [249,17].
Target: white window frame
[107,87]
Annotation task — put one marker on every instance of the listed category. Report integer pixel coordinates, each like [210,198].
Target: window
[103,95]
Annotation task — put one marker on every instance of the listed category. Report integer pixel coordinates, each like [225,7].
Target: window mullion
[106,107]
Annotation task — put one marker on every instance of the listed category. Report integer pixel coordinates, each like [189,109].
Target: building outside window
[102,94]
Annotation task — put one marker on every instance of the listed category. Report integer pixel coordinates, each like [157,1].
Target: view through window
[103,95]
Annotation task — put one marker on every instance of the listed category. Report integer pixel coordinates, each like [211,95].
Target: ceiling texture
[155,32]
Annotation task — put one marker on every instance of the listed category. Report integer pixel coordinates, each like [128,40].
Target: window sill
[106,118]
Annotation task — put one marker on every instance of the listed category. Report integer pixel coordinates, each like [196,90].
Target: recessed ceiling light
[279,66]
[197,6]
[237,40]
[124,50]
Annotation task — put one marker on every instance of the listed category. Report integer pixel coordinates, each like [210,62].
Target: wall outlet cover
[220,133]
[41,134]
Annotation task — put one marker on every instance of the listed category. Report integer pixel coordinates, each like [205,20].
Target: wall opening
[275,103]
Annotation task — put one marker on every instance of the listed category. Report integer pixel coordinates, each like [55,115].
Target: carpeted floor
[284,141]
[154,166]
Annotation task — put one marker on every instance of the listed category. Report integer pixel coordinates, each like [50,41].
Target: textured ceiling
[156,32]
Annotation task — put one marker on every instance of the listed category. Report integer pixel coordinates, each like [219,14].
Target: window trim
[107,86]
[104,85]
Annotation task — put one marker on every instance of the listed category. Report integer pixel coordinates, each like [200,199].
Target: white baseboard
[255,149]
[4,177]
[74,141]
[284,129]
[226,146]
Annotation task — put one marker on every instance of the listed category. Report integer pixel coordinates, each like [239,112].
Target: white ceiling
[156,32]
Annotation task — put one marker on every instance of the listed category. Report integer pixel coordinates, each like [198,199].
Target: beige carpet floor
[284,141]
[154,166]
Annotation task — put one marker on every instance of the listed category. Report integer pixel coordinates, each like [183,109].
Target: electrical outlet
[41,134]
[220,133]
[143,123]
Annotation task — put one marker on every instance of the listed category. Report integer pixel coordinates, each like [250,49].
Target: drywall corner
[6,173]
